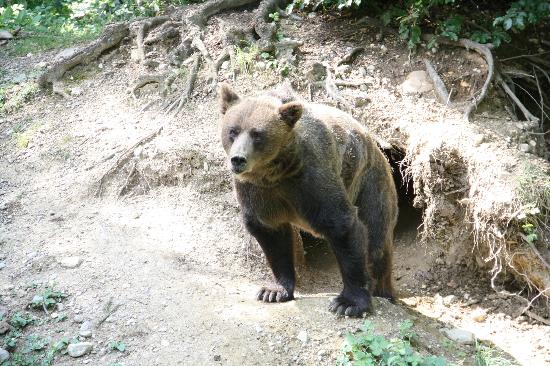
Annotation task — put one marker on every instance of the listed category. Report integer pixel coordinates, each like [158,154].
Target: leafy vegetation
[366,348]
[119,346]
[48,299]
[483,22]
[487,356]
[50,24]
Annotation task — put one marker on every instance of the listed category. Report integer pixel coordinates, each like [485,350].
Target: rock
[361,101]
[225,65]
[78,318]
[459,335]
[4,34]
[86,329]
[76,91]
[311,15]
[217,358]
[448,300]
[479,315]
[371,69]
[70,262]
[66,53]
[2,265]
[438,300]
[383,49]
[524,147]
[4,327]
[302,336]
[41,65]
[4,355]
[533,143]
[318,72]
[478,139]
[343,69]
[79,349]
[260,65]
[3,311]
[417,82]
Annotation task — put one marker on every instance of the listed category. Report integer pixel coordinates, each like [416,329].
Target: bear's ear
[227,97]
[291,112]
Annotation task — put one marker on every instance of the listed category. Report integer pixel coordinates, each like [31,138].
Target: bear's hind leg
[377,209]
[277,245]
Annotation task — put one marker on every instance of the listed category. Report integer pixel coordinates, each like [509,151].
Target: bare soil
[170,254]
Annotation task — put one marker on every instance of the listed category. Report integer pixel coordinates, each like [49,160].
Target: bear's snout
[238,164]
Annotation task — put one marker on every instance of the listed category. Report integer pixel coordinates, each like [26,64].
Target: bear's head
[254,130]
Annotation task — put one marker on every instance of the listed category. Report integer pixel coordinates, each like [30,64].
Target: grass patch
[488,356]
[367,348]
[245,58]
[12,96]
[23,137]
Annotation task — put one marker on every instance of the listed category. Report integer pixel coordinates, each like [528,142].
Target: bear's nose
[238,163]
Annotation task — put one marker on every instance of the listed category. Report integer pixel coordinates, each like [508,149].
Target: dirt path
[176,264]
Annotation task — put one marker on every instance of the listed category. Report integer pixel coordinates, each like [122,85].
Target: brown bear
[315,168]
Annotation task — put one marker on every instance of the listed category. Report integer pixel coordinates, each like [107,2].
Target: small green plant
[275,17]
[13,96]
[48,299]
[119,346]
[487,356]
[245,57]
[20,321]
[368,348]
[530,232]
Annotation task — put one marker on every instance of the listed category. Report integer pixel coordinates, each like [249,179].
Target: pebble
[478,139]
[479,315]
[302,336]
[361,101]
[86,329]
[225,65]
[459,335]
[524,147]
[448,300]
[79,349]
[4,355]
[78,318]
[217,358]
[4,327]
[70,262]
[76,91]
[2,265]
[3,311]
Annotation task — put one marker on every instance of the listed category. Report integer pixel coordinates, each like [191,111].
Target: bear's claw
[275,293]
[354,308]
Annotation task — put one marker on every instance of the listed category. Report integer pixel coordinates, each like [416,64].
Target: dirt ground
[174,266]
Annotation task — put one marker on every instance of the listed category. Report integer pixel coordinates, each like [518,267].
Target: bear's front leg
[277,246]
[347,236]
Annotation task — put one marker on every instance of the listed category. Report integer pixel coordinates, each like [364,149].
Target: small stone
[533,143]
[383,49]
[4,355]
[417,82]
[78,318]
[79,349]
[86,329]
[259,329]
[524,147]
[4,327]
[225,65]
[41,65]
[438,300]
[217,358]
[311,15]
[76,91]
[479,315]
[440,261]
[70,262]
[448,300]
[478,139]
[371,69]
[302,336]
[260,65]
[60,306]
[364,87]
[4,34]
[459,335]
[54,315]
[361,101]
[2,265]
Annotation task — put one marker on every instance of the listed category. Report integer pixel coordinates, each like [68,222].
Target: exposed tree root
[178,104]
[123,159]
[143,28]
[516,100]
[112,36]
[351,56]
[440,89]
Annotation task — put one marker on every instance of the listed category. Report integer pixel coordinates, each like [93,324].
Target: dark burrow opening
[322,268]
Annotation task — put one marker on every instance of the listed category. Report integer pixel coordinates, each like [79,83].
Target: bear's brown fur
[312,167]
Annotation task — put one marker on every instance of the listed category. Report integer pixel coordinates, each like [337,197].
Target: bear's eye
[257,135]
[233,132]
